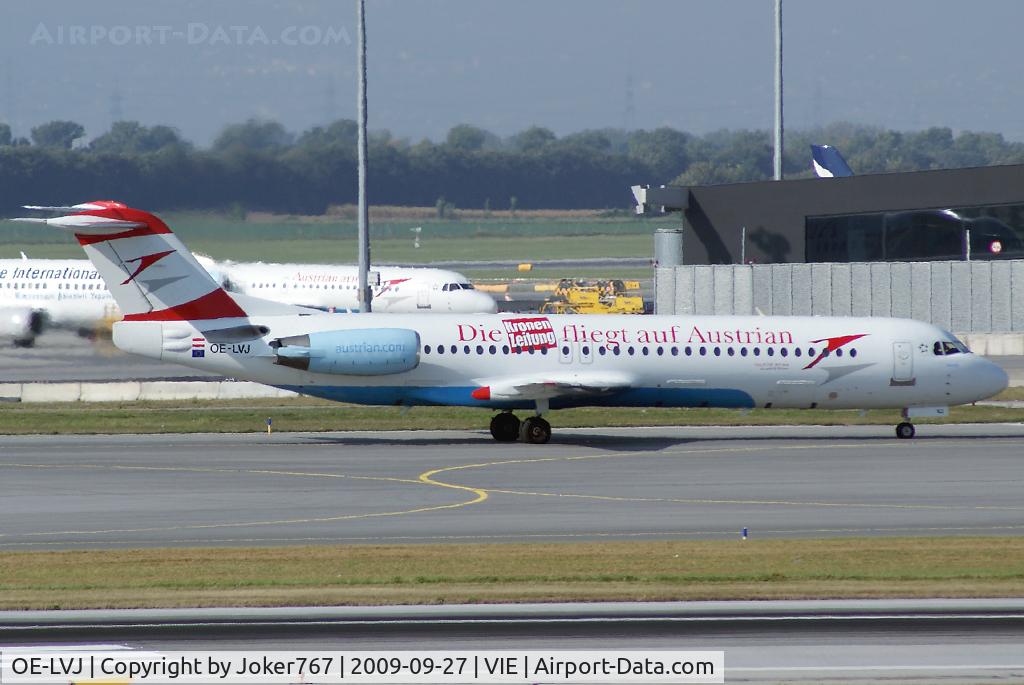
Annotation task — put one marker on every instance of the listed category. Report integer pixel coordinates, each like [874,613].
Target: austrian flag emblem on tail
[533,332]
[199,347]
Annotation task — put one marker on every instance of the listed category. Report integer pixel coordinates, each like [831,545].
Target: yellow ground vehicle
[592,297]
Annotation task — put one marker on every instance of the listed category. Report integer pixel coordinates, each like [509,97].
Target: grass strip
[450,573]
[308,414]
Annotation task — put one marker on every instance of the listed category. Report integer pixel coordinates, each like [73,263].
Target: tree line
[261,166]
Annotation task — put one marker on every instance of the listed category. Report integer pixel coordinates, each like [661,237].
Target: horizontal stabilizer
[85,224]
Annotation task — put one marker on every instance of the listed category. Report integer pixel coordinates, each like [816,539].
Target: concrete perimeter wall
[968,298]
[131,391]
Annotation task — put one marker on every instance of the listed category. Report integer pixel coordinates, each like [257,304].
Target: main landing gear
[505,427]
[905,430]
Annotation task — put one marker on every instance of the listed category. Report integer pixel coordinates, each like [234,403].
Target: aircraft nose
[486,303]
[990,378]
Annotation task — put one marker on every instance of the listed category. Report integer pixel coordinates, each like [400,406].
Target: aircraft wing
[549,386]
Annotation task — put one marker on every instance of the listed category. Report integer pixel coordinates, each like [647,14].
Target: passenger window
[718,351]
[426,349]
[492,349]
[479,349]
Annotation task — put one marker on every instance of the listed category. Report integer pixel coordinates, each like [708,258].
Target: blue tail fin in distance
[828,163]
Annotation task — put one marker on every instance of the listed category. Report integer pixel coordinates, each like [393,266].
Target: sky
[569,65]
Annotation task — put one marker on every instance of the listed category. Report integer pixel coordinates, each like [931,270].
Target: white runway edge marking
[539,621]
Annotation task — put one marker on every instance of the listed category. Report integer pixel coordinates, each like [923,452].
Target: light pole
[365,295]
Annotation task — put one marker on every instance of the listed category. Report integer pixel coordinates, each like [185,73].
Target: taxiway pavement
[87,492]
[792,641]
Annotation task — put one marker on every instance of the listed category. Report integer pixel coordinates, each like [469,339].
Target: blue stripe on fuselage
[461,397]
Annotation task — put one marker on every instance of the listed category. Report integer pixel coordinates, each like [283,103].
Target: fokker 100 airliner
[175,311]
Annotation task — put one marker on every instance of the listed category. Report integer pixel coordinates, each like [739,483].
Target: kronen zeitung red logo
[535,332]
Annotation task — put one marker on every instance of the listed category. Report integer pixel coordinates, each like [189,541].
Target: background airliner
[70,294]
[174,310]
[828,163]
[324,286]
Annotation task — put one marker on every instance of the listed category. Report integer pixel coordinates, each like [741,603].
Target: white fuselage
[70,291]
[401,290]
[73,295]
[689,361]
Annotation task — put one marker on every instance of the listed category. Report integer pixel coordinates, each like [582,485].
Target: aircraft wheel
[905,431]
[535,430]
[505,427]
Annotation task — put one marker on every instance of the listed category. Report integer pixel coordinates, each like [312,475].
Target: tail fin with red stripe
[150,273]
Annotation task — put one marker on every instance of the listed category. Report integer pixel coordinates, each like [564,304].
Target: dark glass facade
[986,232]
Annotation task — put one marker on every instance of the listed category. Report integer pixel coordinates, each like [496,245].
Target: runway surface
[660,483]
[816,641]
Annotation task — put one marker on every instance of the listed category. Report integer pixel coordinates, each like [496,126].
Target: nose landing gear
[905,430]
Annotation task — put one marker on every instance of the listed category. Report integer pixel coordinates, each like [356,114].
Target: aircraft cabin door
[423,298]
[903,363]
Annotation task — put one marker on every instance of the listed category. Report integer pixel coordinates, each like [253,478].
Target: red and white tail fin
[150,273]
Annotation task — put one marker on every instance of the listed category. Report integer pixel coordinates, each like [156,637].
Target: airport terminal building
[940,246]
[878,217]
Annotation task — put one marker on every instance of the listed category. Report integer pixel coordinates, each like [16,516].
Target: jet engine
[21,325]
[356,352]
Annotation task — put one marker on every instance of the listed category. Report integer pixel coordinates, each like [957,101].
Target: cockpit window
[452,287]
[945,347]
